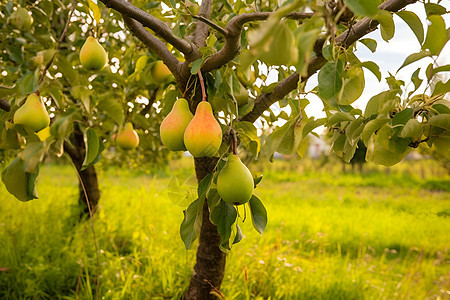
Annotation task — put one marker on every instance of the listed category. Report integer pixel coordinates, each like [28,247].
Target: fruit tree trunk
[209,268]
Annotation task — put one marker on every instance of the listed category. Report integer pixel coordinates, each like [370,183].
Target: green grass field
[330,236]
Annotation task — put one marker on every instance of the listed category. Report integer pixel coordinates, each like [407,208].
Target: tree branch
[5,105]
[201,31]
[232,40]
[154,44]
[220,29]
[345,39]
[147,20]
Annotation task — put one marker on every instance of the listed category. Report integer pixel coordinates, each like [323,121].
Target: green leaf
[414,57]
[375,104]
[312,124]
[305,42]
[442,144]
[339,117]
[441,108]
[363,8]
[112,108]
[141,63]
[441,121]
[370,129]
[402,117]
[369,43]
[436,35]
[6,91]
[330,79]
[94,148]
[412,128]
[353,86]
[413,22]
[441,88]
[239,236]
[372,67]
[189,228]
[204,185]
[95,11]
[259,214]
[434,9]
[196,65]
[224,216]
[381,153]
[248,135]
[18,182]
[386,23]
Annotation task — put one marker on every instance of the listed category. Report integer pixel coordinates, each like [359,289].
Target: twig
[63,34]
[217,27]
[202,85]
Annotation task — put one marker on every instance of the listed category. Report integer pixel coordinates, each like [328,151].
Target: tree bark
[209,268]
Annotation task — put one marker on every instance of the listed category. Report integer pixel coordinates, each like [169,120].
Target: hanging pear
[203,135]
[92,55]
[242,97]
[235,182]
[32,114]
[160,72]
[128,137]
[174,125]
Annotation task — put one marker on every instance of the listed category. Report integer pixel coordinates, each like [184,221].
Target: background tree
[225,44]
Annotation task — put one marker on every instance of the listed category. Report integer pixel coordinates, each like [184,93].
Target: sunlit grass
[330,236]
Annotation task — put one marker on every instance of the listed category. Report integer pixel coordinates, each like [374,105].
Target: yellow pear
[92,55]
[203,135]
[21,19]
[173,126]
[128,137]
[32,114]
[235,182]
[160,72]
[44,133]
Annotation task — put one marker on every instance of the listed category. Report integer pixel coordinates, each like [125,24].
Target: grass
[331,235]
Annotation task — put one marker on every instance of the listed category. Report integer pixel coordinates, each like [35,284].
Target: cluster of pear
[200,134]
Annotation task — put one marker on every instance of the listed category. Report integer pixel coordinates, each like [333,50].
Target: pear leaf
[19,183]
[94,148]
[224,216]
[259,214]
[189,228]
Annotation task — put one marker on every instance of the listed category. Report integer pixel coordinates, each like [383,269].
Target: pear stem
[234,141]
[63,34]
[202,84]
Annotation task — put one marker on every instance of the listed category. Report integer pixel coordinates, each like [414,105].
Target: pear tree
[216,52]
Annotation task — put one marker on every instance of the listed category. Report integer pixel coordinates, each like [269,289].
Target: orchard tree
[214,51]
[41,45]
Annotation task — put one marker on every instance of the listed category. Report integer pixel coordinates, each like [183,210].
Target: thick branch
[154,44]
[201,31]
[347,38]
[5,105]
[147,20]
[232,40]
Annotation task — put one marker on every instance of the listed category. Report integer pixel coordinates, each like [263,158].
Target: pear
[92,55]
[235,182]
[128,137]
[242,97]
[203,135]
[160,72]
[174,125]
[21,19]
[32,114]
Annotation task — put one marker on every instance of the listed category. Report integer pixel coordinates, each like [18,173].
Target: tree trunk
[88,182]
[209,268]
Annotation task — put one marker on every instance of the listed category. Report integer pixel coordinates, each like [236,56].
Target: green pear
[174,125]
[160,72]
[128,137]
[21,19]
[242,97]
[92,55]
[203,135]
[32,114]
[235,182]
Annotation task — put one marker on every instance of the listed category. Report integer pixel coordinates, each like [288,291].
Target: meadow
[382,234]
